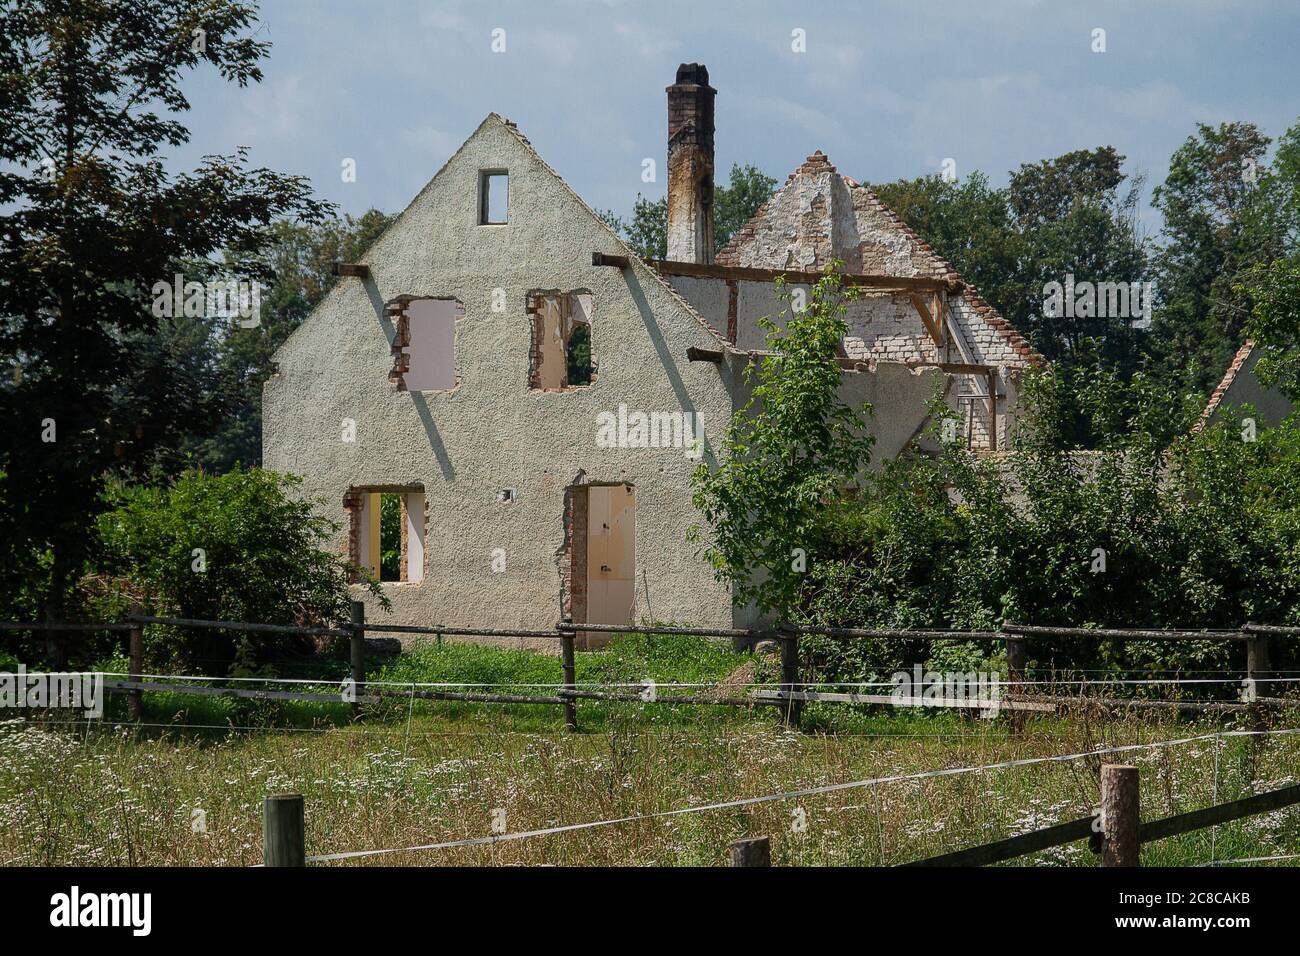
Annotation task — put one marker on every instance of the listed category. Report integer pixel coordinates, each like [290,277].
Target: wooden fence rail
[789,699]
[1116,832]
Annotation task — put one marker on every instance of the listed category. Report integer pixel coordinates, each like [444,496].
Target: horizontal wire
[806,792]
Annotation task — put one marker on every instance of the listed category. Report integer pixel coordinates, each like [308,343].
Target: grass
[116,794]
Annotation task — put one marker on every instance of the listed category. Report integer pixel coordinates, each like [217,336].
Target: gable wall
[491,432]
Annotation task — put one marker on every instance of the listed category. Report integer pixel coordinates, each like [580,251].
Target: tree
[91,222]
[739,201]
[198,549]
[1274,324]
[733,206]
[1068,216]
[1216,226]
[790,450]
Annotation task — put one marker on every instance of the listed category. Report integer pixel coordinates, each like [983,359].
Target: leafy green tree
[1072,215]
[739,201]
[792,448]
[1217,225]
[90,220]
[1275,324]
[199,549]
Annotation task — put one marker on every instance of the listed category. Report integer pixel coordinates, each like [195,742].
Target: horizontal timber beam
[799,277]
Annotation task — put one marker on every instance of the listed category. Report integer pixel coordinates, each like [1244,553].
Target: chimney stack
[690,165]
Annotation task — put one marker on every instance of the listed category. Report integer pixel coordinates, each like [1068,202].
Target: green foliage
[793,447]
[1225,210]
[1072,215]
[1198,529]
[234,547]
[739,201]
[390,537]
[1275,324]
[578,357]
[90,220]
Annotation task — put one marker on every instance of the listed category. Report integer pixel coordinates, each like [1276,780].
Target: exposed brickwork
[401,342]
[819,215]
[573,555]
[571,315]
[690,165]
[352,506]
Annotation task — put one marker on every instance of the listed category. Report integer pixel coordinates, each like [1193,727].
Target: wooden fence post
[358,654]
[755,851]
[135,654]
[790,675]
[1015,675]
[284,832]
[570,677]
[1120,808]
[1257,664]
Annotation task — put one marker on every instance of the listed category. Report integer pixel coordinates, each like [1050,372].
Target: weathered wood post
[570,676]
[1120,808]
[284,831]
[135,654]
[755,851]
[358,654]
[789,641]
[1257,663]
[1257,669]
[1015,675]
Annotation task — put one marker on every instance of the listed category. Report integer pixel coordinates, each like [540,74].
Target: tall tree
[91,220]
[1216,226]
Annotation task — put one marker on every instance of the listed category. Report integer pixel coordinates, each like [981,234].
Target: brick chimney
[690,165]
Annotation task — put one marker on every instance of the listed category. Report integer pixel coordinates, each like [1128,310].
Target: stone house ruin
[506,397]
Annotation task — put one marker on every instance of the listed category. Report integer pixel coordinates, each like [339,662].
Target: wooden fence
[789,698]
[1116,833]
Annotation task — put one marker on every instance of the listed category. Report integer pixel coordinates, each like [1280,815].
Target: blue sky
[887,89]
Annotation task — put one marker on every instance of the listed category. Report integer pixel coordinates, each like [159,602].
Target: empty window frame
[560,358]
[493,197]
[424,344]
[387,532]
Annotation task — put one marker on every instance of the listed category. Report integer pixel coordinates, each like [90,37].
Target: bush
[234,547]
[1157,526]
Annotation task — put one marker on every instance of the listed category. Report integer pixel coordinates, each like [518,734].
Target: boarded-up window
[424,345]
[560,356]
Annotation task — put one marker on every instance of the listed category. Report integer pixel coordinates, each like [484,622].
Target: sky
[887,89]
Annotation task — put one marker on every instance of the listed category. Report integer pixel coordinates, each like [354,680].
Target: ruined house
[525,398]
